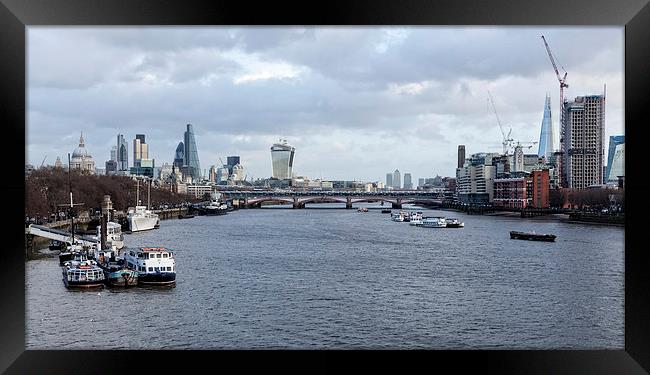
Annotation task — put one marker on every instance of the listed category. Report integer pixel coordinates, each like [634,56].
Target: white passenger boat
[415,216]
[155,265]
[140,218]
[434,222]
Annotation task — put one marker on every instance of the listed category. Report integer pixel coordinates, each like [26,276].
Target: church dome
[81,152]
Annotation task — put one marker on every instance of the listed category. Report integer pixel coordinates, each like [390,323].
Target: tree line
[47,192]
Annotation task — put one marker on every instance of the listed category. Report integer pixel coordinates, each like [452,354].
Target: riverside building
[582,142]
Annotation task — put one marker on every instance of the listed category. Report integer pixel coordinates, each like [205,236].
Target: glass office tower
[191,155]
[282,160]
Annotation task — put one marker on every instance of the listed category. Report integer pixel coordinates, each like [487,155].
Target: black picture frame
[16,15]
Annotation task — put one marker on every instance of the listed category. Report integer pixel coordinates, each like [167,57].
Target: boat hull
[121,278]
[138,224]
[83,284]
[214,212]
[161,278]
[455,225]
[532,237]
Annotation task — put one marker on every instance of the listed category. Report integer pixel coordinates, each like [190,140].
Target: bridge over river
[298,199]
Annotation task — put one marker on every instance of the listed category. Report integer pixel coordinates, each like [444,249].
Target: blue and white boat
[155,265]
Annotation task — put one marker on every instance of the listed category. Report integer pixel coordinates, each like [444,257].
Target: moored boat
[531,236]
[362,209]
[140,218]
[116,272]
[386,210]
[155,265]
[215,207]
[57,245]
[186,216]
[81,272]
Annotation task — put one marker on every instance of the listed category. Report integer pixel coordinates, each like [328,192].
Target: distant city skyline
[355,102]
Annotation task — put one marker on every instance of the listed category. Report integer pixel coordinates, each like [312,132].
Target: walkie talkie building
[282,160]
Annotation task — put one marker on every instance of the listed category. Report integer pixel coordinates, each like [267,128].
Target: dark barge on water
[531,236]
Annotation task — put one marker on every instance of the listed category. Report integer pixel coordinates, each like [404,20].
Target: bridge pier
[398,203]
[348,203]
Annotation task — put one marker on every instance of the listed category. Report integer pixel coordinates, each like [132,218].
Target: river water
[341,279]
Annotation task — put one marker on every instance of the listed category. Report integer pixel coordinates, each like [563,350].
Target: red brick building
[522,192]
[541,185]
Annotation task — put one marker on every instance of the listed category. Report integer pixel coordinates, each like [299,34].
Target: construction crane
[507,141]
[522,144]
[562,80]
[43,162]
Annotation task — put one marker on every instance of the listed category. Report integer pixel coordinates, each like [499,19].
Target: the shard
[546,134]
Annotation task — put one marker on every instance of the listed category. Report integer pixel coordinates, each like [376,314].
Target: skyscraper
[583,132]
[461,156]
[191,155]
[140,149]
[407,181]
[615,142]
[389,180]
[546,134]
[397,181]
[122,156]
[179,156]
[282,160]
[231,161]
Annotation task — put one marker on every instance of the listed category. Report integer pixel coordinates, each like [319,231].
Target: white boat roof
[153,249]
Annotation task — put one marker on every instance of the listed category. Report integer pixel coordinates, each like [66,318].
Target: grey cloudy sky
[355,102]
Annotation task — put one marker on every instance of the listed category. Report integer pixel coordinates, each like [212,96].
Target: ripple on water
[302,279]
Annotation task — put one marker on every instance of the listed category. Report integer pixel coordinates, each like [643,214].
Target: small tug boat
[531,236]
[116,272]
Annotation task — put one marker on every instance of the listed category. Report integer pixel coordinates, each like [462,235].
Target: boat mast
[137,191]
[71,204]
[148,194]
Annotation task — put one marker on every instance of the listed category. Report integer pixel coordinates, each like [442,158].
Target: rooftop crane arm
[557,73]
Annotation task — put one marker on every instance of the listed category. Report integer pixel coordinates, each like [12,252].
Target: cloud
[355,101]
